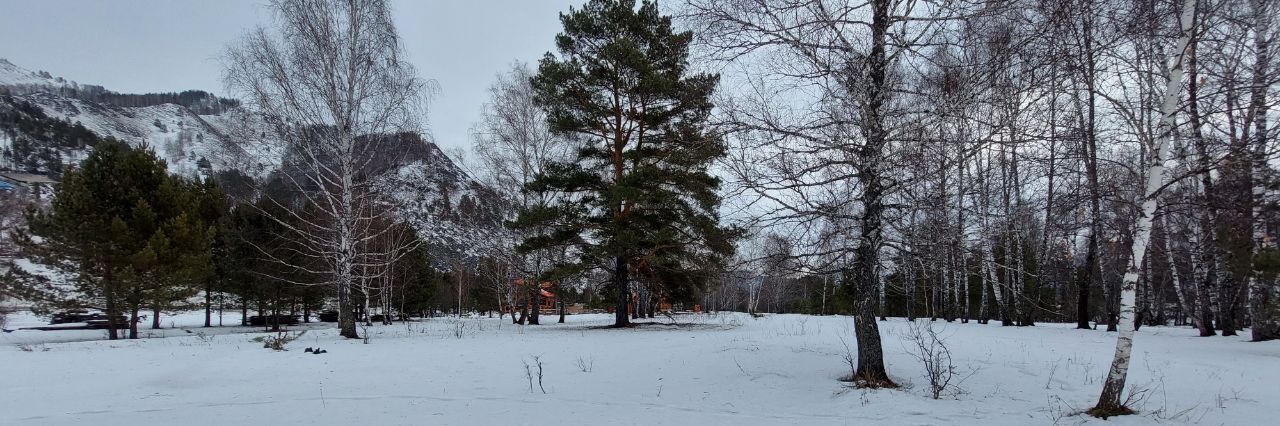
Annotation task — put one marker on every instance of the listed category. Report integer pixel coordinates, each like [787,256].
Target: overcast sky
[139,46]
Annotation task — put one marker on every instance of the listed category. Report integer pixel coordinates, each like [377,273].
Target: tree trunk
[113,311]
[1185,303]
[621,285]
[1042,255]
[208,306]
[1203,272]
[346,312]
[501,309]
[871,368]
[1109,402]
[1262,303]
[366,311]
[637,303]
[155,318]
[1090,266]
[274,311]
[536,309]
[826,279]
[984,314]
[133,322]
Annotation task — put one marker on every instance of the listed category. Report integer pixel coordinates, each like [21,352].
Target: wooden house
[547,302]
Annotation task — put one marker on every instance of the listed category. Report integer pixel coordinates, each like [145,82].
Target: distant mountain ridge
[13,76]
[48,122]
[187,140]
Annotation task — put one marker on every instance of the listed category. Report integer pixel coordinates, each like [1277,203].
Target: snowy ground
[710,369]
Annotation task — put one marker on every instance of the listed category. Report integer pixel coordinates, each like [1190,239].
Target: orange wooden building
[547,300]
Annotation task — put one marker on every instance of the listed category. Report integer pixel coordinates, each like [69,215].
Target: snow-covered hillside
[450,210]
[13,75]
[177,135]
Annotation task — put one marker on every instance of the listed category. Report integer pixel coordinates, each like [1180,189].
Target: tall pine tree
[641,200]
[120,231]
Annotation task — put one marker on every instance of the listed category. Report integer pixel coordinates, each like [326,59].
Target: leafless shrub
[459,328]
[586,365]
[1221,399]
[798,328]
[1053,370]
[530,374]
[1059,410]
[280,341]
[1142,394]
[851,359]
[27,347]
[932,351]
[729,320]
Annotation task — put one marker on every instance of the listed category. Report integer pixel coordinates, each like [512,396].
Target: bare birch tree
[332,83]
[1110,403]
[825,108]
[514,144]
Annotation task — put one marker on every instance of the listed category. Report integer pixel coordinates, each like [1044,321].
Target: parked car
[102,323]
[282,319]
[81,315]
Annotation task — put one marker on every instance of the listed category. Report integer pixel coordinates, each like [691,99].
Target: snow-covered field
[708,369]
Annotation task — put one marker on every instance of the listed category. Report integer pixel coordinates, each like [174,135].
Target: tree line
[198,101]
[36,141]
[1091,161]
[125,236]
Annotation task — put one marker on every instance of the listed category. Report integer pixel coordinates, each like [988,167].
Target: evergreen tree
[119,231]
[211,210]
[645,204]
[263,266]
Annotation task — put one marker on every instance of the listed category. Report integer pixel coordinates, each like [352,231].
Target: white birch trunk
[1261,293]
[1109,402]
[1178,291]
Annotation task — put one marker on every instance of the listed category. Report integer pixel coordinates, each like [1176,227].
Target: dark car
[81,315]
[282,319]
[102,323]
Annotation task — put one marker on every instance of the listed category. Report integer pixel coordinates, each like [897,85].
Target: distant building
[547,301]
[25,184]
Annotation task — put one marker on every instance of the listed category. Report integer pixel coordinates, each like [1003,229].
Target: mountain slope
[14,76]
[47,121]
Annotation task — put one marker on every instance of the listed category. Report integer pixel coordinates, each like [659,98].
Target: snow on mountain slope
[13,75]
[177,135]
[450,210]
